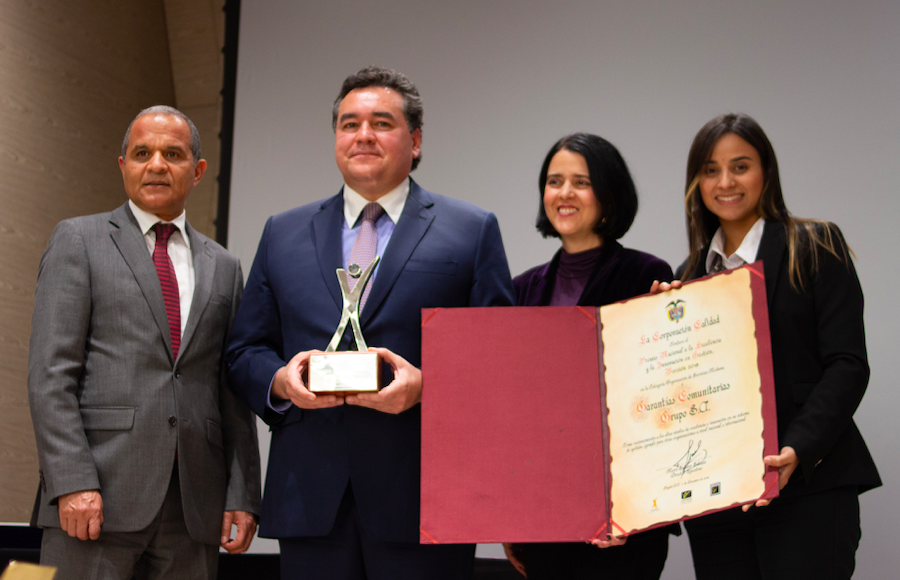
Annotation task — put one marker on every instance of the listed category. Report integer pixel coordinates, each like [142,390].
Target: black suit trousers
[812,536]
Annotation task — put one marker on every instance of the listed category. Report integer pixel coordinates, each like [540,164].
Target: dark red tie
[169,282]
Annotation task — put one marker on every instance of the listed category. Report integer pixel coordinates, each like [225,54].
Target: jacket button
[177,375]
[172,421]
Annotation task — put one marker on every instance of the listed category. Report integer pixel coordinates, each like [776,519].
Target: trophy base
[344,373]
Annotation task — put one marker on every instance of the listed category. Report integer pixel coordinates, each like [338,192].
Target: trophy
[347,372]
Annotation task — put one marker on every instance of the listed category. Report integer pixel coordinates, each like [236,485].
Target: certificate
[685,400]
[569,423]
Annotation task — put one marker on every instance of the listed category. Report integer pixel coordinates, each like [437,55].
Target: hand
[81,514]
[246,527]
[658,286]
[786,462]
[511,556]
[403,392]
[288,385]
[610,541]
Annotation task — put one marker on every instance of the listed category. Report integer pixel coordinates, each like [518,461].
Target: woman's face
[570,203]
[732,181]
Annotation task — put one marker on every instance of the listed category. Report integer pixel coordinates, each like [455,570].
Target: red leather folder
[514,441]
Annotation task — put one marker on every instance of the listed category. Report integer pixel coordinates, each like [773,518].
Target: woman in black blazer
[735,214]
[588,201]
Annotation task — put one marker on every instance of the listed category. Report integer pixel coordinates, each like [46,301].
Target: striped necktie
[168,282]
[365,246]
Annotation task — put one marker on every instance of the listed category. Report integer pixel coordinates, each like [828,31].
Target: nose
[158,163]
[365,133]
[726,179]
[566,190]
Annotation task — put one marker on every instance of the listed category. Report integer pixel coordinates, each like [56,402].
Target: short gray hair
[166,110]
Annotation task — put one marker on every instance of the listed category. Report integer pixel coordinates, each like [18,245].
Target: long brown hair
[804,236]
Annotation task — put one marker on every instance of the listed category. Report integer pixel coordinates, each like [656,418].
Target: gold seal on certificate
[347,372]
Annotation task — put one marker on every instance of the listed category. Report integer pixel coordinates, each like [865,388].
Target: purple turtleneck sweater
[572,276]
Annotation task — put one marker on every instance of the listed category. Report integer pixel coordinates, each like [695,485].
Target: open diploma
[565,424]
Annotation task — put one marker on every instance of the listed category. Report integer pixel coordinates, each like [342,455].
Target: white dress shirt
[179,252]
[746,252]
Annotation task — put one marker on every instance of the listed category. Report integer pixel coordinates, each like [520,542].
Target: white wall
[502,80]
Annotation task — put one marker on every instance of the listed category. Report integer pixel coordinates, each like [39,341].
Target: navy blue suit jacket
[443,253]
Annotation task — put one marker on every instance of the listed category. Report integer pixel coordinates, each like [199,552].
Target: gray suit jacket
[108,402]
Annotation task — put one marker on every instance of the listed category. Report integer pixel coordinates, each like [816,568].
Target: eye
[350,126]
[382,124]
[553,181]
[740,168]
[710,170]
[583,183]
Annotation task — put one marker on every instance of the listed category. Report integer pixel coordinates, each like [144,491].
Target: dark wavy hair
[610,180]
[804,236]
[374,76]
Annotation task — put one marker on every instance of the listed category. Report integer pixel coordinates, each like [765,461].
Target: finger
[94,528]
[296,386]
[390,357]
[81,528]
[244,535]
[225,534]
[245,530]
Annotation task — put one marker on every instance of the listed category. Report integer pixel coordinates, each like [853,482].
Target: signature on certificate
[691,461]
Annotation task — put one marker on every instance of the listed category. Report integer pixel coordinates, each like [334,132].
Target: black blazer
[819,363]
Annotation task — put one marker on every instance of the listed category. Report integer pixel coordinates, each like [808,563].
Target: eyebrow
[732,160]
[379,114]
[576,175]
[142,147]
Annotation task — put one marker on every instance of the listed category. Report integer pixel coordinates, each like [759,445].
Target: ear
[417,142]
[199,170]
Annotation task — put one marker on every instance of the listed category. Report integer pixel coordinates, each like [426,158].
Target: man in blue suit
[342,488]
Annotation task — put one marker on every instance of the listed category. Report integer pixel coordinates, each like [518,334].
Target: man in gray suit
[146,458]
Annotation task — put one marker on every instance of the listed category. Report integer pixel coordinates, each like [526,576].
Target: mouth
[156,184]
[566,210]
[729,198]
[364,154]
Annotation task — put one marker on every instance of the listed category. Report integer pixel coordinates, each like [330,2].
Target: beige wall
[72,76]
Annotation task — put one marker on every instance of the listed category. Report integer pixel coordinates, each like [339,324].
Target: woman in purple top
[588,201]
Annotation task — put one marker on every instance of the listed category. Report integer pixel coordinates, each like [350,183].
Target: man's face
[372,143]
[158,169]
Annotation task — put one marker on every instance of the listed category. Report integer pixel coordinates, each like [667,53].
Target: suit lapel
[414,222]
[204,272]
[129,240]
[771,252]
[327,227]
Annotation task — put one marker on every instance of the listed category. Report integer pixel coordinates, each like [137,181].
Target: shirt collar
[746,252]
[147,220]
[392,202]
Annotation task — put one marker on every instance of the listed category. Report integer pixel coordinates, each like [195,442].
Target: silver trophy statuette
[347,372]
